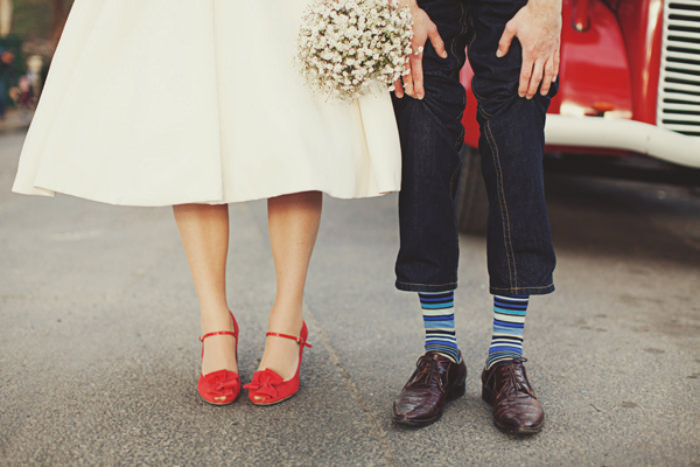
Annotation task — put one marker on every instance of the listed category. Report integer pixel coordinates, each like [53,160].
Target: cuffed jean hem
[413,287]
[512,291]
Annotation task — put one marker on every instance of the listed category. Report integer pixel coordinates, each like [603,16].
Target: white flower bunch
[345,46]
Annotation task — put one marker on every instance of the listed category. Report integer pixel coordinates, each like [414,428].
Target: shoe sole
[532,430]
[456,393]
[520,431]
[218,404]
[265,404]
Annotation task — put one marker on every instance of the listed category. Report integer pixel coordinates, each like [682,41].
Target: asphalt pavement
[99,323]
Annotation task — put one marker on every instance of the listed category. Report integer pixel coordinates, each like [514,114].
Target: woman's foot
[219,354]
[277,378]
[219,382]
[219,351]
[281,355]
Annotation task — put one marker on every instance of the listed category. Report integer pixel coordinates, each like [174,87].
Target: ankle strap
[287,336]
[217,333]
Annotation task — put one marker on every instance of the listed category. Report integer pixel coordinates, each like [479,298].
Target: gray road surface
[99,352]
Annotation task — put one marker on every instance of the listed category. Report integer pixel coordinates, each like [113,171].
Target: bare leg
[204,232]
[293,222]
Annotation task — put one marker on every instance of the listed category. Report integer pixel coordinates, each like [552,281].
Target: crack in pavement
[375,423]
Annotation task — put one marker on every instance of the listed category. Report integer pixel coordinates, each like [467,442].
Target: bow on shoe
[222,383]
[228,387]
[264,383]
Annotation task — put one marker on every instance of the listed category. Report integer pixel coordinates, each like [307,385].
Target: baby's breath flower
[345,46]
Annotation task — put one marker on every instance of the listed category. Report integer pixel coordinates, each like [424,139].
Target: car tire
[472,200]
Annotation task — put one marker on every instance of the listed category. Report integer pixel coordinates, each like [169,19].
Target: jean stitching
[505,216]
[481,110]
[429,285]
[460,114]
[479,97]
[463,20]
[526,287]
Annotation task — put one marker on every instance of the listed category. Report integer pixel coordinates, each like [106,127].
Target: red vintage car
[629,86]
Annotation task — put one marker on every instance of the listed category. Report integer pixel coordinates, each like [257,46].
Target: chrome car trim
[631,135]
[679,77]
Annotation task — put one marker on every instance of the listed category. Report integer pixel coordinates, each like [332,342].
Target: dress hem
[51,193]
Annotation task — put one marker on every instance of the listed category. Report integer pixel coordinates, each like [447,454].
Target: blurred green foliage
[33,23]
[33,18]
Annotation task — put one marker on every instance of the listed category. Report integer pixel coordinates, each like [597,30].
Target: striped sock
[439,322]
[508,325]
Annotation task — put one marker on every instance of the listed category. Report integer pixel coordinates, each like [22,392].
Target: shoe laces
[428,371]
[514,381]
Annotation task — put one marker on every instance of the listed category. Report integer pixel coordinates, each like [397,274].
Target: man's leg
[431,135]
[520,253]
[508,326]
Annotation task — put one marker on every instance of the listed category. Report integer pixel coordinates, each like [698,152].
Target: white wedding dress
[161,102]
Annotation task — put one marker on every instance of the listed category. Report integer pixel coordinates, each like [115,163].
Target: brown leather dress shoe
[516,409]
[437,380]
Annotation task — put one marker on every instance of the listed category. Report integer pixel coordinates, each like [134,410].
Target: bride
[196,104]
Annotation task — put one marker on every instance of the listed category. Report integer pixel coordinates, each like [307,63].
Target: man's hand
[537,26]
[423,30]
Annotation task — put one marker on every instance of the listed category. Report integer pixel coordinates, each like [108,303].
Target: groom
[514,52]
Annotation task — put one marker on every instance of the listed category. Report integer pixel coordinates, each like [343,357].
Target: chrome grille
[679,80]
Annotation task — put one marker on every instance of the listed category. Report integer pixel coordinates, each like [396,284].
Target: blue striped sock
[508,325]
[439,322]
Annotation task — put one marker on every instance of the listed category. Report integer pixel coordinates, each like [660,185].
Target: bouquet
[346,46]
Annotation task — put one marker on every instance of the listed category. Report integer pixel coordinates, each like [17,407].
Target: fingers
[540,50]
[424,29]
[535,79]
[549,76]
[413,78]
[417,76]
[437,42]
[398,88]
[417,58]
[407,78]
[553,62]
[525,76]
[506,39]
[408,85]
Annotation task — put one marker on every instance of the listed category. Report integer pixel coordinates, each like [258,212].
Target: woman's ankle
[219,354]
[215,318]
[286,318]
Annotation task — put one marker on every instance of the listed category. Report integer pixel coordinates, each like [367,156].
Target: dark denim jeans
[519,246]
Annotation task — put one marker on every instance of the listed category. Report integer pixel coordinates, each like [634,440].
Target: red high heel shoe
[220,387]
[268,387]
